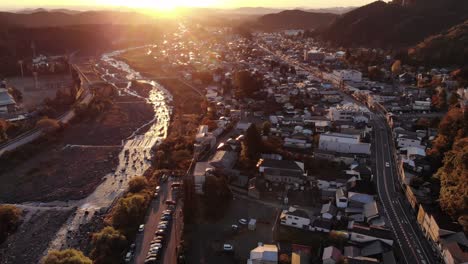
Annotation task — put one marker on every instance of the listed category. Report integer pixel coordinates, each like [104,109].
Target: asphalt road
[414,248]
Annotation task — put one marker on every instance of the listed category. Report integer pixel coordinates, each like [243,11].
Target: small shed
[252,224]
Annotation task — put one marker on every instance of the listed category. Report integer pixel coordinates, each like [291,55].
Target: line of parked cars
[155,251]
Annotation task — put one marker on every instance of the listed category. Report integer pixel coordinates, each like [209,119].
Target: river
[135,156]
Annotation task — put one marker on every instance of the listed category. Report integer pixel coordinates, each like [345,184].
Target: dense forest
[450,150]
[294,19]
[16,42]
[391,25]
[449,47]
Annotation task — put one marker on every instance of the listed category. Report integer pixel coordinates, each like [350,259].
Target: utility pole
[36,84]
[33,47]
[20,62]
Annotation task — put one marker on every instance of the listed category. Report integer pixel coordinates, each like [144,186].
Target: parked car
[166,217]
[170,202]
[152,260]
[242,221]
[160,232]
[158,188]
[387,164]
[228,247]
[176,184]
[128,257]
[141,228]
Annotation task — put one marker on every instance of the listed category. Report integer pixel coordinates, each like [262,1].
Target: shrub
[9,220]
[129,212]
[137,184]
[108,246]
[68,256]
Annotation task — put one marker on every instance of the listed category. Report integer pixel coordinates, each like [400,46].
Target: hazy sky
[167,4]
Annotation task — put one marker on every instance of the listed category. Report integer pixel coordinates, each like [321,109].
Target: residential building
[422,105]
[313,55]
[7,103]
[282,171]
[362,234]
[322,225]
[295,218]
[341,198]
[343,143]
[264,254]
[328,211]
[199,175]
[454,248]
[224,159]
[435,224]
[331,255]
[347,75]
[404,141]
[346,112]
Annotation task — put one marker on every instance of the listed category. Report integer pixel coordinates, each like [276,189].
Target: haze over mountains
[423,25]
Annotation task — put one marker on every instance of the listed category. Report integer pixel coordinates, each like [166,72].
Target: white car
[228,247]
[242,221]
[141,228]
[128,257]
[387,164]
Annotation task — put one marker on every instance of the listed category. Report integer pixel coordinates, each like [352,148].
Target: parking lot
[206,238]
[153,219]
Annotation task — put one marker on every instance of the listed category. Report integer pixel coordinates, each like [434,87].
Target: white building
[341,198]
[264,254]
[346,112]
[347,75]
[294,217]
[343,143]
[405,141]
[362,234]
[7,103]
[422,105]
[199,175]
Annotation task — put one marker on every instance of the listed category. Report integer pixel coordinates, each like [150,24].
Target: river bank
[129,154]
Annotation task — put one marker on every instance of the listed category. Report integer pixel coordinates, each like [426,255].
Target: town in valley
[214,132]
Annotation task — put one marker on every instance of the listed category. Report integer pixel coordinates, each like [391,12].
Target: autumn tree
[3,130]
[284,259]
[453,126]
[375,73]
[439,100]
[396,67]
[453,176]
[48,124]
[266,128]
[453,99]
[9,220]
[252,145]
[129,212]
[137,184]
[67,256]
[247,83]
[108,246]
[216,194]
